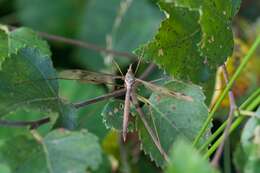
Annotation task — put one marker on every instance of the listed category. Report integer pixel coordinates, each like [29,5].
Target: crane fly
[129,83]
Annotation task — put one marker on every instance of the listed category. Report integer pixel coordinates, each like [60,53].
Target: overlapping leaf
[24,82]
[171,118]
[25,75]
[194,39]
[61,151]
[25,37]
[19,38]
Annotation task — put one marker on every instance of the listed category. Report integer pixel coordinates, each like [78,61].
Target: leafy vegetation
[55,119]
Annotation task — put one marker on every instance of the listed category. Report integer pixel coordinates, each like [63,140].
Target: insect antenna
[118,67]
[137,66]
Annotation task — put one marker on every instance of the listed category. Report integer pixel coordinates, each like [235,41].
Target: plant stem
[226,90]
[235,124]
[233,106]
[222,127]
[254,103]
[213,136]
[250,99]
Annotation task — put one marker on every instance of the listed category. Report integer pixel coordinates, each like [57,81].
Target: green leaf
[171,118]
[61,151]
[57,17]
[193,40]
[71,151]
[19,152]
[26,77]
[134,28]
[11,42]
[250,145]
[30,54]
[19,38]
[23,82]
[25,37]
[186,159]
[113,114]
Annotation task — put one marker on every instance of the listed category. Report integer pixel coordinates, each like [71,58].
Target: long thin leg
[150,131]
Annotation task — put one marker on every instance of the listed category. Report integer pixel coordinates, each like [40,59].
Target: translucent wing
[88,76]
[165,91]
[82,76]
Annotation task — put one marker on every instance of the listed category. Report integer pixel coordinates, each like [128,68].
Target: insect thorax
[129,78]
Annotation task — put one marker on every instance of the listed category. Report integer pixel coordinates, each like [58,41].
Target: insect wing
[165,91]
[88,76]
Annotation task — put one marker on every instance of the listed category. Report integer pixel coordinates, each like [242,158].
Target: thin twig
[116,93]
[83,44]
[32,124]
[149,130]
[233,107]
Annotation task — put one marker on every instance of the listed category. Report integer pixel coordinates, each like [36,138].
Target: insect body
[129,83]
